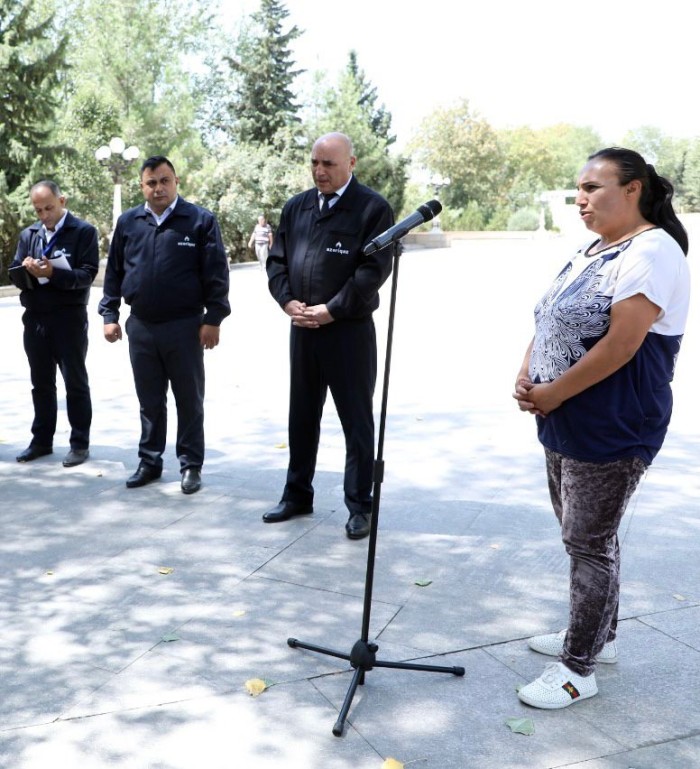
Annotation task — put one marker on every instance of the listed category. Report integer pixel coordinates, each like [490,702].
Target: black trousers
[162,355]
[342,357]
[53,340]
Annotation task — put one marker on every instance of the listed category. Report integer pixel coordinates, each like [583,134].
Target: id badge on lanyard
[45,251]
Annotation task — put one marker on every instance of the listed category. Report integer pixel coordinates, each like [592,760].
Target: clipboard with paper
[58,262]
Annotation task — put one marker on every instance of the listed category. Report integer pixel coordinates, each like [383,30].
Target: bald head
[332,161]
[48,202]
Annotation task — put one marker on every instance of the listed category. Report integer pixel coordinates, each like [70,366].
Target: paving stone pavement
[130,619]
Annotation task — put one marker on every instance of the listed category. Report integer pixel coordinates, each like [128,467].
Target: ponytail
[657,192]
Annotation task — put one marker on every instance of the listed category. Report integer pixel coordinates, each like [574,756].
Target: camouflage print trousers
[589,500]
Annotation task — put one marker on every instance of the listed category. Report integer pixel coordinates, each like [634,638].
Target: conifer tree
[353,107]
[31,65]
[263,68]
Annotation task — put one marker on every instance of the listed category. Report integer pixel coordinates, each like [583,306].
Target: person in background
[61,254]
[319,276]
[597,376]
[167,261]
[261,239]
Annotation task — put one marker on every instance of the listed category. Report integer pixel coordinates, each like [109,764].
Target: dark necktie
[326,201]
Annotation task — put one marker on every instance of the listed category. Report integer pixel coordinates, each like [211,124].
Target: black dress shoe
[144,474]
[357,526]
[34,452]
[75,457]
[286,510]
[191,480]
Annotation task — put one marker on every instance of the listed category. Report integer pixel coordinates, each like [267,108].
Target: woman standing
[597,377]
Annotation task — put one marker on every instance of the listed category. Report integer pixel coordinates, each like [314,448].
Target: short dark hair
[657,192]
[55,189]
[154,161]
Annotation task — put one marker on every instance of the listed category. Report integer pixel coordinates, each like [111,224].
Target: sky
[614,65]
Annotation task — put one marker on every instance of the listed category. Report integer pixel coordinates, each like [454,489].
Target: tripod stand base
[363,658]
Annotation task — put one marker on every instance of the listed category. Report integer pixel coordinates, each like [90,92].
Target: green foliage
[530,165]
[689,187]
[458,144]
[568,146]
[32,59]
[546,159]
[9,229]
[128,79]
[87,120]
[352,107]
[676,159]
[527,219]
[472,218]
[259,74]
[238,139]
[498,221]
[245,181]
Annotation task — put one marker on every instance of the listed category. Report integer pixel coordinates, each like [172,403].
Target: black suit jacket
[77,241]
[318,259]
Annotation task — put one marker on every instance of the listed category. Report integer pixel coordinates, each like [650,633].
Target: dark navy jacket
[168,272]
[318,259]
[77,241]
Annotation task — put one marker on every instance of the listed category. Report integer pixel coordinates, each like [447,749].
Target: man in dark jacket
[321,279]
[58,257]
[167,261]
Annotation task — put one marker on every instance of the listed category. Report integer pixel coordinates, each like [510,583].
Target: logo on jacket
[187,242]
[337,249]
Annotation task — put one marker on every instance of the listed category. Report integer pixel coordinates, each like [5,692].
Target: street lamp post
[438,182]
[117,157]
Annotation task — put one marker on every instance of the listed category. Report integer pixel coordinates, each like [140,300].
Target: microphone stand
[362,657]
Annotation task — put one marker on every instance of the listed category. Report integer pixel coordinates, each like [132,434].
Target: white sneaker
[558,687]
[553,645]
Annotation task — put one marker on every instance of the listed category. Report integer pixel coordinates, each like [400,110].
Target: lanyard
[46,250]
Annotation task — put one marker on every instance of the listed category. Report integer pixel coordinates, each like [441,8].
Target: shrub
[524,219]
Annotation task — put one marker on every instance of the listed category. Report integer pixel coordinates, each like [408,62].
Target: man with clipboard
[56,262]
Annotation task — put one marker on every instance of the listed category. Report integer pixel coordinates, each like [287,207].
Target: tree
[244,181]
[353,108]
[673,158]
[260,73]
[689,186]
[457,143]
[530,166]
[9,230]
[569,147]
[32,62]
[545,159]
[128,78]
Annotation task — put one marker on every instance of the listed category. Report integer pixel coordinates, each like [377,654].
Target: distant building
[565,215]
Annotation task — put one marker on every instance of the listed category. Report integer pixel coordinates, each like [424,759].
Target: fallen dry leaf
[256,686]
[239,613]
[392,763]
[280,445]
[166,570]
[524,726]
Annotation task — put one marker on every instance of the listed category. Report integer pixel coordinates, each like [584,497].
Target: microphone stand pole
[362,657]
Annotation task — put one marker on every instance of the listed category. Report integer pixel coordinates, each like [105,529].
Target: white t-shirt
[627,414]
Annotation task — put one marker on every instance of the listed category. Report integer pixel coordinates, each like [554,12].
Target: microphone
[424,214]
